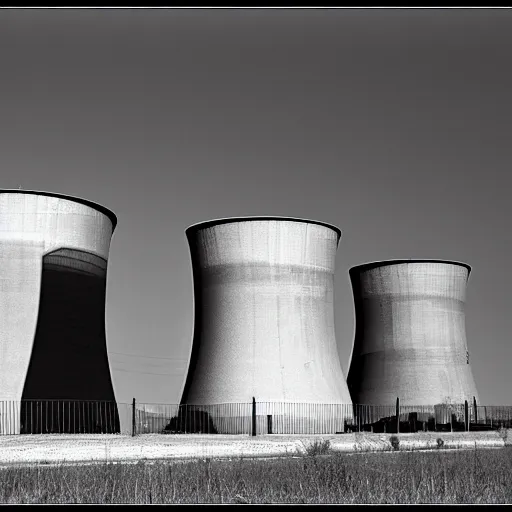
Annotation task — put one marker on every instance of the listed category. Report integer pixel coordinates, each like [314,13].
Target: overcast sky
[394,125]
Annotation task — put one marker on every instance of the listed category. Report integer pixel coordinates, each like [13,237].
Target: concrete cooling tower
[53,265]
[410,339]
[264,323]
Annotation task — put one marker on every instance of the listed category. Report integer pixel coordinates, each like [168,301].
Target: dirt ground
[60,448]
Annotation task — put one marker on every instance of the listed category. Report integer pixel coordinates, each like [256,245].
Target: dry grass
[480,476]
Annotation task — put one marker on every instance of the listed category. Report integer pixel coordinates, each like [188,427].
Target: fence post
[134,425]
[253,416]
[397,415]
[476,409]
[466,415]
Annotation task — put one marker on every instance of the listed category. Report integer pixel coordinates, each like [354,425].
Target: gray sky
[394,125]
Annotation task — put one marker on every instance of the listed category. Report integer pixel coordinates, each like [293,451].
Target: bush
[318,447]
[395,442]
[440,442]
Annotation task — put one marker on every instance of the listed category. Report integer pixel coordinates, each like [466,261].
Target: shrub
[318,447]
[440,442]
[395,442]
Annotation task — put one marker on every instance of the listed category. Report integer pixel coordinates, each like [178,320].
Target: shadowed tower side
[69,357]
[264,316]
[410,339]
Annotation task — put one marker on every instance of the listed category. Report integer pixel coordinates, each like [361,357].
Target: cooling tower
[53,263]
[410,338]
[264,320]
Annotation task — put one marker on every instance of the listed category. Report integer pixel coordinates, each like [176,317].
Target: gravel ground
[60,448]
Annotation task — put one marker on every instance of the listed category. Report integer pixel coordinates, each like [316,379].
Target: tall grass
[409,477]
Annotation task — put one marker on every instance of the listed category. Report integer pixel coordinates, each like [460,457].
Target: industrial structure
[410,336]
[53,264]
[264,323]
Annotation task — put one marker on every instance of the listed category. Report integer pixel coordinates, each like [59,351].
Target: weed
[395,442]
[503,432]
[318,447]
[445,477]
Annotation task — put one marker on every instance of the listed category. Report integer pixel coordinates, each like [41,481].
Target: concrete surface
[264,314]
[33,225]
[410,339]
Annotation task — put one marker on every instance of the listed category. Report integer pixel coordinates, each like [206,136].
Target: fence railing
[251,418]
[260,418]
[232,418]
[59,417]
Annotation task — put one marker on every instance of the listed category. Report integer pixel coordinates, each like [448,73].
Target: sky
[392,124]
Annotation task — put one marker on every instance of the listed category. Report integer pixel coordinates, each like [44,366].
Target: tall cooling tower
[53,264]
[264,323]
[410,339]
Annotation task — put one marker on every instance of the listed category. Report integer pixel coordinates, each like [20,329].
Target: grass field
[476,476]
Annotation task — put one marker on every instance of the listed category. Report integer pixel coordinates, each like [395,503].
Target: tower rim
[250,218]
[357,269]
[91,204]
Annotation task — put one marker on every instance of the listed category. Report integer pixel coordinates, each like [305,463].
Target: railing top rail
[266,402]
[58,400]
[218,403]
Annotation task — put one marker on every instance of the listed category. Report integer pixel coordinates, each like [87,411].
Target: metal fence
[260,418]
[59,417]
[251,418]
[235,418]
[243,418]
[305,418]
[433,418]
